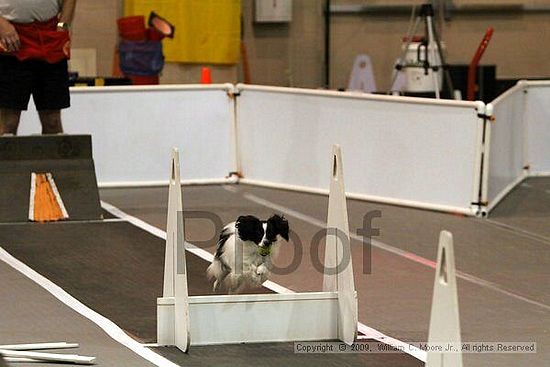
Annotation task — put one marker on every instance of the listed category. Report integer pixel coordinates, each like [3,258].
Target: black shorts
[48,84]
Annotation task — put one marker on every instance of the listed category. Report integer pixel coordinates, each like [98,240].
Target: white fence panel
[263,318]
[400,150]
[134,129]
[507,150]
[537,120]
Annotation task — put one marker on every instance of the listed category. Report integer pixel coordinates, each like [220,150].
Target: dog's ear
[279,225]
[249,228]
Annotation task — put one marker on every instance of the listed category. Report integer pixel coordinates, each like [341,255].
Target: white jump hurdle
[184,320]
[445,320]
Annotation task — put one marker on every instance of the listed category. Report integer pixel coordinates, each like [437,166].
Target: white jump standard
[445,320]
[184,320]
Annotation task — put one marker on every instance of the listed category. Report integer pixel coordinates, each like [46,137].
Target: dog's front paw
[261,270]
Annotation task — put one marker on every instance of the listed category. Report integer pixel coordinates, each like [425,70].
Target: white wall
[134,129]
[537,121]
[404,150]
[407,151]
[519,138]
[507,150]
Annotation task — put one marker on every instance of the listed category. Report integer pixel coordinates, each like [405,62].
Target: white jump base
[257,318]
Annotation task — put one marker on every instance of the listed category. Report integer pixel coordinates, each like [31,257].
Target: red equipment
[471,92]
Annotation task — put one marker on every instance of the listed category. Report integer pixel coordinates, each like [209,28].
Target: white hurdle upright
[445,320]
[184,320]
[338,249]
[172,308]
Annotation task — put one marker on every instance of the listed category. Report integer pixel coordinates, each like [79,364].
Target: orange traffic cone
[45,204]
[206,76]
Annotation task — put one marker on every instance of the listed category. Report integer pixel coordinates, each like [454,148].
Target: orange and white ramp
[45,203]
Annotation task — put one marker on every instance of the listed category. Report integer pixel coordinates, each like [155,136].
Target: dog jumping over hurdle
[245,252]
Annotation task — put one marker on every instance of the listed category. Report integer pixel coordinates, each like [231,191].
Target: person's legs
[15,91]
[9,121]
[51,121]
[51,94]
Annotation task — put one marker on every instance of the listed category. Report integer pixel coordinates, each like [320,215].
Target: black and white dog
[245,252]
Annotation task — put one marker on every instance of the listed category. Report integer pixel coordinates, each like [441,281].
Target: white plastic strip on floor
[21,360]
[107,325]
[369,332]
[408,255]
[40,346]
[48,357]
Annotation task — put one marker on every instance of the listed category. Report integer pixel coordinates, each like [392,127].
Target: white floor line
[67,222]
[405,254]
[518,231]
[362,328]
[107,325]
[154,230]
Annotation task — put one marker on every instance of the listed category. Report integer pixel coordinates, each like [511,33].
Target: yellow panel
[207,31]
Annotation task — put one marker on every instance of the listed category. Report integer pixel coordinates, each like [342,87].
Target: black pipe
[482,9]
[327,44]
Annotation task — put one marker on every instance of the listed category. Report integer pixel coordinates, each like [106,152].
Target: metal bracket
[486,117]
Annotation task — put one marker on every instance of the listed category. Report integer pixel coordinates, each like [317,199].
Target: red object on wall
[472,68]
[132,28]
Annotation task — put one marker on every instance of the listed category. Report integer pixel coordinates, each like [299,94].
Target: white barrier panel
[507,145]
[256,318]
[134,128]
[408,151]
[537,121]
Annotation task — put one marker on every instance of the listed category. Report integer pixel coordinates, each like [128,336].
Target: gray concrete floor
[526,208]
[30,314]
[504,262]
